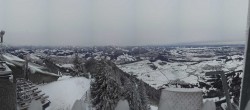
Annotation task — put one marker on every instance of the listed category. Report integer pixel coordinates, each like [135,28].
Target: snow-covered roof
[11,64]
[14,60]
[12,57]
[40,69]
[7,70]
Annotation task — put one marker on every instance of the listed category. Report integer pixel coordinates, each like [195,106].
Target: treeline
[152,93]
[112,84]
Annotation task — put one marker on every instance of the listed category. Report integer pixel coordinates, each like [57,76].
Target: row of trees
[110,86]
[138,99]
[104,91]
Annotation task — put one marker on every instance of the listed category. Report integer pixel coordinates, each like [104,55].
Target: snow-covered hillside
[189,72]
[64,92]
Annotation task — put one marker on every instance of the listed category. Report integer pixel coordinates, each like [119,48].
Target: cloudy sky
[122,22]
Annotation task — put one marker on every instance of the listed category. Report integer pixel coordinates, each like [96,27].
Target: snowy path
[65,92]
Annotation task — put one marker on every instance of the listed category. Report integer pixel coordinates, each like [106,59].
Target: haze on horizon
[122,22]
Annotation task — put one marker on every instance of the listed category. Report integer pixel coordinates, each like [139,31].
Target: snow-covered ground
[153,107]
[34,57]
[143,71]
[64,92]
[122,105]
[188,72]
[70,66]
[124,58]
[162,75]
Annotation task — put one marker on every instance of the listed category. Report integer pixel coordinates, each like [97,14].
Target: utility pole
[224,84]
[1,41]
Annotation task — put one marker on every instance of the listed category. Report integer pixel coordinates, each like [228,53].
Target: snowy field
[64,92]
[189,72]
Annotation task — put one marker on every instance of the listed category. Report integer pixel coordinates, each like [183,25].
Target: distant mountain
[214,43]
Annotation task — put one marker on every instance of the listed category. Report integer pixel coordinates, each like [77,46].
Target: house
[35,73]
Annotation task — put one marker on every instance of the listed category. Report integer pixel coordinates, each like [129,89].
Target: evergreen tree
[134,96]
[79,67]
[143,96]
[77,64]
[104,90]
[107,88]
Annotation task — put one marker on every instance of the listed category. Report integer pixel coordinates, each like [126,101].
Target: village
[124,55]
[63,78]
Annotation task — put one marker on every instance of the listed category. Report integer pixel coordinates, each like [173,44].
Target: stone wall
[7,95]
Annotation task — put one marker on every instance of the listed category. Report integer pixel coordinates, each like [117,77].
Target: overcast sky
[122,22]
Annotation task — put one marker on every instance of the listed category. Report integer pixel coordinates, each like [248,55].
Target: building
[7,88]
[34,72]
